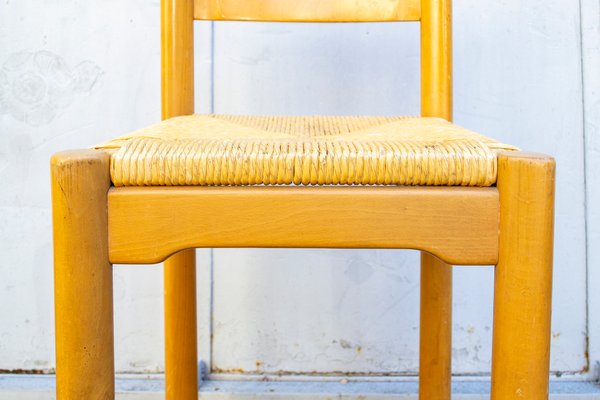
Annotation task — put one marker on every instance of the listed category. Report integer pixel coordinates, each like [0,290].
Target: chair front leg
[82,276]
[523,279]
[435,348]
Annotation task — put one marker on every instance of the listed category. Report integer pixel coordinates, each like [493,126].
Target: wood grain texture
[181,354]
[83,294]
[523,278]
[308,10]
[435,343]
[459,225]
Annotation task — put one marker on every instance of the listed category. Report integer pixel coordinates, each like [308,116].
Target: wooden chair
[108,207]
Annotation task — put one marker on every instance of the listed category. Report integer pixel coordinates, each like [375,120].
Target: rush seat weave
[257,150]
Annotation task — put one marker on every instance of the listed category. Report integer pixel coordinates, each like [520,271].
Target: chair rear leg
[435,349]
[523,278]
[181,351]
[82,276]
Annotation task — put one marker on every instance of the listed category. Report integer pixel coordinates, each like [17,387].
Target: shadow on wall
[34,86]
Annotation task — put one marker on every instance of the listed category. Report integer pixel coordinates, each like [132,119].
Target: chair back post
[435,350]
[177,56]
[436,58]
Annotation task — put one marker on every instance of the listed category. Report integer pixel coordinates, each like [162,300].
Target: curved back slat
[308,10]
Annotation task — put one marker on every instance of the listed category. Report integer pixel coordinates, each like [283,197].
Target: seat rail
[458,225]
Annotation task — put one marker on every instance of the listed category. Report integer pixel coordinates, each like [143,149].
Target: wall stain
[35,86]
[20,371]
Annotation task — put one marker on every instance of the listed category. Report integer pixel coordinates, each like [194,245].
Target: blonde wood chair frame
[509,226]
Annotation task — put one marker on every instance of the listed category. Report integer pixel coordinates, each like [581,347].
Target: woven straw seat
[244,150]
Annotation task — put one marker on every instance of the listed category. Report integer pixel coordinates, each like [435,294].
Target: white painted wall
[76,73]
[590,28]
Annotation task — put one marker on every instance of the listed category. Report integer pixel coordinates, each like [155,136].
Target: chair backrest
[308,10]
[436,39]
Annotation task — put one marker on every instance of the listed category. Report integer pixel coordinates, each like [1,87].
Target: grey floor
[41,387]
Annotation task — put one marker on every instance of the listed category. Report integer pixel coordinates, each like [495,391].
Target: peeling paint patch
[359,270]
[347,345]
